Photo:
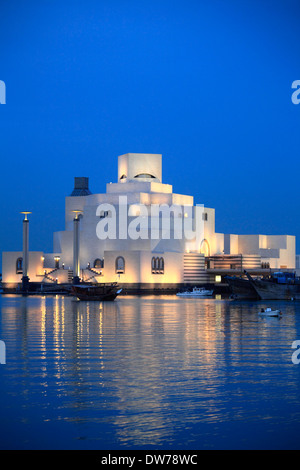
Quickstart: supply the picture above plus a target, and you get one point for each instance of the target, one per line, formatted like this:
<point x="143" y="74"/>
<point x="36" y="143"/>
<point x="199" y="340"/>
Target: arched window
<point x="161" y="265"/>
<point x="204" y="247"/>
<point x="19" y="266"/>
<point x="157" y="265"/>
<point x="153" y="265"/>
<point x="98" y="263"/>
<point x="120" y="265"/>
<point x="144" y="175"/>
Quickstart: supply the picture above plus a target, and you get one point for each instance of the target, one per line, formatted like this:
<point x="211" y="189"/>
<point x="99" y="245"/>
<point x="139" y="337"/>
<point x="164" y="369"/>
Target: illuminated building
<point x="145" y="261"/>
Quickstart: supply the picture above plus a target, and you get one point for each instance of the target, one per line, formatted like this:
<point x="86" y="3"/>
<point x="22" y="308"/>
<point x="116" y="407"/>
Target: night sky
<point x="205" y="83"/>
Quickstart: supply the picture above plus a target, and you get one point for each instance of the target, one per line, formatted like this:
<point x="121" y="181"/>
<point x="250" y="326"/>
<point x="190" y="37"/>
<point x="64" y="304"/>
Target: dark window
<point x="157" y="265"/>
<point x="120" y="265"/>
<point x="144" y="175"/>
<point x="19" y="266"/>
<point x="161" y="265"/>
<point x="98" y="263"/>
<point x="105" y="214"/>
<point x="204" y="216"/>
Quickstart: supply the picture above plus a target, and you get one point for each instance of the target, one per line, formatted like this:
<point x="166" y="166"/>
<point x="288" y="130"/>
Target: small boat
<point x="96" y="292"/>
<point x="269" y="312"/>
<point x="196" y="292"/>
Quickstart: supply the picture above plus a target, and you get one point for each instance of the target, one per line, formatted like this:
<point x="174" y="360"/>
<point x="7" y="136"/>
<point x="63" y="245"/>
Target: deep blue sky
<point x="205" y="83"/>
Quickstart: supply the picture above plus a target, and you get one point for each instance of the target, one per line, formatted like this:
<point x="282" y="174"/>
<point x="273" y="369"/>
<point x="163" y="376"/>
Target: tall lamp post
<point x="76" y="247"/>
<point x="25" y="278"/>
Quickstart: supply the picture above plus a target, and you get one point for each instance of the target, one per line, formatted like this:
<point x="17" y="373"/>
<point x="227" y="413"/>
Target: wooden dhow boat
<point x="99" y="291"/>
<point x="279" y="286"/>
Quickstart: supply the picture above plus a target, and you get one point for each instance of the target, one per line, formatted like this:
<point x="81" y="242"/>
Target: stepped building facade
<point x="143" y="235"/>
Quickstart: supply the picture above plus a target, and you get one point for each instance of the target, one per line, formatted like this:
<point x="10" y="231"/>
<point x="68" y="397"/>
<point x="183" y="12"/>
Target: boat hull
<point x="275" y="313"/>
<point x="242" y="288"/>
<point x="272" y="291"/>
<point x="196" y="292"/>
<point x="101" y="292"/>
<point x="194" y="295"/>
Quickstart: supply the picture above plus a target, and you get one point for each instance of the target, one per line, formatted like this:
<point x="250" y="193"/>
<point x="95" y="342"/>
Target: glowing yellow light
<point x="26" y="214"/>
<point x="77" y="212"/>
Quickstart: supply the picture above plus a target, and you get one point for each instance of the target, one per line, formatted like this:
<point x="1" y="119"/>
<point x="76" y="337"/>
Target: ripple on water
<point x="149" y="372"/>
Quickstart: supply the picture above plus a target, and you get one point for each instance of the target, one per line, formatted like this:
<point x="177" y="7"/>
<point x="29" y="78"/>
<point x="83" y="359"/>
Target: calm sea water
<point x="155" y="373"/>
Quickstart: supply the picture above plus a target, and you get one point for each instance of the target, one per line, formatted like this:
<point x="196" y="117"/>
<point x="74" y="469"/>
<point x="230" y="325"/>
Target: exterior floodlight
<point x="26" y="214"/>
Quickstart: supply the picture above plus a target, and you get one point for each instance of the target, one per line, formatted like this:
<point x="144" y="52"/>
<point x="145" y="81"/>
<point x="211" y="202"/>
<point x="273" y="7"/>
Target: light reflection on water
<point x="148" y="372"/>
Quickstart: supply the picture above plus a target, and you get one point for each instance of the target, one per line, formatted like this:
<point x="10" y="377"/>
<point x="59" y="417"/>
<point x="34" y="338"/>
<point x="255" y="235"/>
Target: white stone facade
<point x="147" y="261"/>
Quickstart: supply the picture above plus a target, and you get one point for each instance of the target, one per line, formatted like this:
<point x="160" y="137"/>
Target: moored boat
<point x="268" y="312"/>
<point x="241" y="288"/>
<point x="279" y="286"/>
<point x="196" y="292"/>
<point x="96" y="291"/>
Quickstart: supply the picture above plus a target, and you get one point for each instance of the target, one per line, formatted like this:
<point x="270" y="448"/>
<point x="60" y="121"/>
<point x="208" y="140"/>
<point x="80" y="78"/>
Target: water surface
<point x="148" y="373"/>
